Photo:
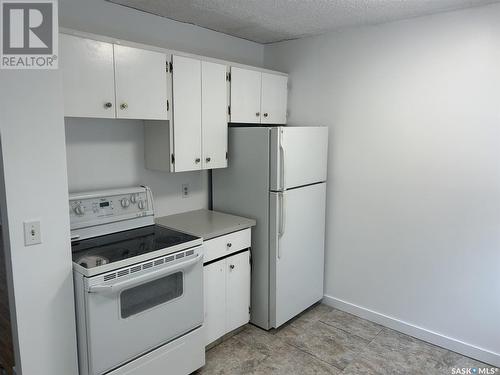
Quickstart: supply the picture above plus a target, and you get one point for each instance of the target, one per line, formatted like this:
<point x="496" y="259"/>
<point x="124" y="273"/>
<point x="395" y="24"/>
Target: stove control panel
<point x="103" y="207"/>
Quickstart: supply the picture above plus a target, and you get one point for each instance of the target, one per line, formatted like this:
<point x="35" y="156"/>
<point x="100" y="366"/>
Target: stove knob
<point x="125" y="202"/>
<point x="79" y="210"/>
<point x="133" y="198"/>
<point x="141" y="204"/>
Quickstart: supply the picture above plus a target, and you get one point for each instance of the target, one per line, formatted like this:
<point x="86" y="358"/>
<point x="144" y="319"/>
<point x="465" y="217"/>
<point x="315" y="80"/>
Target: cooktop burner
<point x="110" y="248"/>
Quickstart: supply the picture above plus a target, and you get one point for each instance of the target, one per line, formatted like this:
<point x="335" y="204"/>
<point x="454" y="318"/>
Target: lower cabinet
<point x="227" y="295"/>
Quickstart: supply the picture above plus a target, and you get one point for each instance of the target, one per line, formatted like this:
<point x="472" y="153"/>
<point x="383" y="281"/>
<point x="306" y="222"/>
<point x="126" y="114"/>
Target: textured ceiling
<point x="267" y="21"/>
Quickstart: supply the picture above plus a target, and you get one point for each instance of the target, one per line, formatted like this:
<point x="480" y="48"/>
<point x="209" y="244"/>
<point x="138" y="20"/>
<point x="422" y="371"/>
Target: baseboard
<point x="435" y="338"/>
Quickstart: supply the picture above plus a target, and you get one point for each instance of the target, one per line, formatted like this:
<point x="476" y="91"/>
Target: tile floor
<point x="328" y="341"/>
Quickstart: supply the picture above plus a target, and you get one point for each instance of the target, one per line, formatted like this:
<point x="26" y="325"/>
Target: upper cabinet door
<point x="186" y="86"/>
<point x="88" y="77"/>
<point x="141" y="84"/>
<point x="274" y="98"/>
<point x="245" y="95"/>
<point x="214" y="102"/>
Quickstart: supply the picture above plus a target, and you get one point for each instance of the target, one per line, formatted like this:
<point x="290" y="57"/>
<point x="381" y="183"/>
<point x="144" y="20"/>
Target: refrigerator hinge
<point x="173" y="158"/>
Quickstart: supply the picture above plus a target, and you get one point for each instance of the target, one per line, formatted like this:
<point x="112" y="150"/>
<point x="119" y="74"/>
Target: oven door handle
<point x="151" y="276"/>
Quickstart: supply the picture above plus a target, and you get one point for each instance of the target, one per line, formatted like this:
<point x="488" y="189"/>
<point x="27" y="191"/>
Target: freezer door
<point x="297" y="242"/>
<point x="298" y="156"/>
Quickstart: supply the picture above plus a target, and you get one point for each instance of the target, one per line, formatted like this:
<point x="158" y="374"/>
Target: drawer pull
<point x="231" y="266"/>
<point x="229" y="244"/>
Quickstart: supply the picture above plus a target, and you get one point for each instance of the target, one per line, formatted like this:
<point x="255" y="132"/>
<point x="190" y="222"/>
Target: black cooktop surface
<point x="97" y="251"/>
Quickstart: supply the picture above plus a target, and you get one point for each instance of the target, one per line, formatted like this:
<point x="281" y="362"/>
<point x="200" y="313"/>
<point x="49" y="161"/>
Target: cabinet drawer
<point x="224" y="245"/>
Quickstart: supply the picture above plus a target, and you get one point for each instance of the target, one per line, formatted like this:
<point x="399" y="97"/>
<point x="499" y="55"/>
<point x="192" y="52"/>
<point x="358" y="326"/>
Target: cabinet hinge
<point x="229" y="110"/>
<point x="171" y="66"/>
<point x="227" y="155"/>
<point x="168" y="105"/>
<point x="228" y="76"/>
<point x="166" y="66"/>
<point x="173" y="158"/>
<point x="249" y="310"/>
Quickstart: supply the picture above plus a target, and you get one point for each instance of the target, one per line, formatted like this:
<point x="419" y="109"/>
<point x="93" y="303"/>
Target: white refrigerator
<point x="277" y="175"/>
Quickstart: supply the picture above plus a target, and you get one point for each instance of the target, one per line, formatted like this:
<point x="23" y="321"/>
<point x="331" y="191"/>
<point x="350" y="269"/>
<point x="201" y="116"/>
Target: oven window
<point x="146" y="296"/>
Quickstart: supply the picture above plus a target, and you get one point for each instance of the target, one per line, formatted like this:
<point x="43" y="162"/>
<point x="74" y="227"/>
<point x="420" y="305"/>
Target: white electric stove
<point x="138" y="287"/>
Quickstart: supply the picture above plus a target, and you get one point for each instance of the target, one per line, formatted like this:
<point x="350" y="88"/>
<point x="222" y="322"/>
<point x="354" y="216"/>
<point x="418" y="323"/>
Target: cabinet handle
<point x="208" y="159"/>
<point x="124" y="106"/>
<point x="265" y="114"/>
<point x="108" y="105"/>
<point x="229" y="244"/>
<point x="257" y="114"/>
<point x="231" y="266"/>
<point x="197" y="160"/>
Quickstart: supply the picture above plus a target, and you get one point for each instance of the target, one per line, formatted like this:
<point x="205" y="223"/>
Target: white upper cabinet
<point x="258" y="98"/>
<point x="141" y="83"/>
<point x="88" y="77"/>
<point x="197" y="136"/>
<point x="186" y="88"/>
<point x="274" y="98"/>
<point x="214" y="107"/>
<point x="113" y="81"/>
<point x="186" y="101"/>
<point x="245" y="95"/>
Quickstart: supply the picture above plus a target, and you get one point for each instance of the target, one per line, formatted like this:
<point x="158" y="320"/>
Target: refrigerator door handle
<point x="282" y="161"/>
<point x="280" y="200"/>
<point x="283" y="213"/>
<point x="281" y="229"/>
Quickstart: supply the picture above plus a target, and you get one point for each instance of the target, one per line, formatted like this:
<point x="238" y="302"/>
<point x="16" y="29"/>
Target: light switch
<point x="32" y="234"/>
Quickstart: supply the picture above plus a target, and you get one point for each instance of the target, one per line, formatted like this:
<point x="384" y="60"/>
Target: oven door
<point x="132" y="315"/>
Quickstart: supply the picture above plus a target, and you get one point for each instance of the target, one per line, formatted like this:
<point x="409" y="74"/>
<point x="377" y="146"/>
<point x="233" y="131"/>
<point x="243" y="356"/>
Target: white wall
<point x="110" y="153"/>
<point x="413" y="215"/>
<point x="102" y="17"/>
<point x="32" y="132"/>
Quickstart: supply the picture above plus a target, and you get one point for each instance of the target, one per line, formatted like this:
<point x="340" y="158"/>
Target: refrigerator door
<point x="297" y="243"/>
<point x="298" y="156"/>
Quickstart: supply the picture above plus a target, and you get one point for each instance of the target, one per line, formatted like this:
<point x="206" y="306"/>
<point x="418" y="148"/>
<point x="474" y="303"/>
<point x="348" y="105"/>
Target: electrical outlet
<point x="32" y="234"/>
<point x="185" y="190"/>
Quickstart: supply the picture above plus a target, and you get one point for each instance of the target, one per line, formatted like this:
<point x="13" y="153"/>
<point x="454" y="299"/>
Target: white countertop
<point x="205" y="223"/>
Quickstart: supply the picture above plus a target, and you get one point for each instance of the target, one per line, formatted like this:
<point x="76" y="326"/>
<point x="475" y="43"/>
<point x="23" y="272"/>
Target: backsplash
<point x="104" y="153"/>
